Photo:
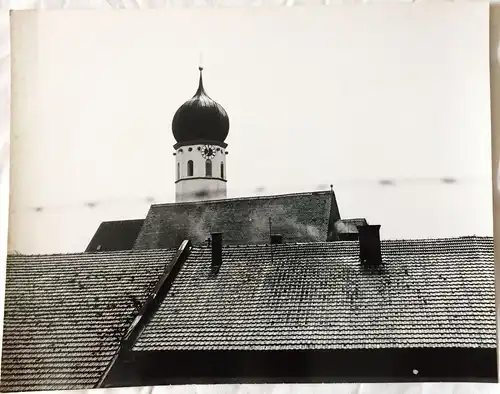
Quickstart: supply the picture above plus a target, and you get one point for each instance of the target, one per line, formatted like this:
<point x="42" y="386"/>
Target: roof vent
<point x="216" y="250"/>
<point x="370" y="252"/>
<point x="276" y="239"/>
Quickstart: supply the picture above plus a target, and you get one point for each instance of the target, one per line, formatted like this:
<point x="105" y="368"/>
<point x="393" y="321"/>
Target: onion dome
<point x="200" y="120"/>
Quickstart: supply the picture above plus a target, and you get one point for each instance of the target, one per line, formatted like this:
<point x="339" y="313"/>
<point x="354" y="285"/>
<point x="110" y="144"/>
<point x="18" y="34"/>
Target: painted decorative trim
<point x="200" y="142"/>
<point x="200" y="177"/>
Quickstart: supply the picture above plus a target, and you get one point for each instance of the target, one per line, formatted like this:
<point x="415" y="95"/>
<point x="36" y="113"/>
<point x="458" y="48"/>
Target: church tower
<point x="200" y="127"/>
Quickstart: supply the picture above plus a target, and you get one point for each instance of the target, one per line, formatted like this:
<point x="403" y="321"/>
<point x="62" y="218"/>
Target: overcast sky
<point x="316" y="96"/>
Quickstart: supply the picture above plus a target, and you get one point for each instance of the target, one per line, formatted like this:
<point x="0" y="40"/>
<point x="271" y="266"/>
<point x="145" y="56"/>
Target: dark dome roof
<point x="200" y="119"/>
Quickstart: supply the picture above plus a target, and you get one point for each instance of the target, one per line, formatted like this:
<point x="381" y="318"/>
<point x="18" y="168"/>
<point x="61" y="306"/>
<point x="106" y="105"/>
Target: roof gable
<point x="430" y="293"/>
<point x="298" y="217"/>
<point x="115" y="235"/>
<point x="65" y="314"/>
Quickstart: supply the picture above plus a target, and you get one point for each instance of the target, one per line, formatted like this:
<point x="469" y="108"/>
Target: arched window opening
<point x="208" y="167"/>
<point x="178" y="170"/>
<point x="222" y="170"/>
<point x="190" y="168"/>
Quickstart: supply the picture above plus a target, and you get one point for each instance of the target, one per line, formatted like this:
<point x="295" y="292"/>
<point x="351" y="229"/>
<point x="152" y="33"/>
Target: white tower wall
<point x="199" y="185"/>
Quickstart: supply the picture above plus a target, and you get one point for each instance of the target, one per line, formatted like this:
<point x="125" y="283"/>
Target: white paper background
<point x="4" y="156"/>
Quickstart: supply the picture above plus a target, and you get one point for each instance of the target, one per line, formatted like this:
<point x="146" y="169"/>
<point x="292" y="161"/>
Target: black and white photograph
<point x="213" y="196"/>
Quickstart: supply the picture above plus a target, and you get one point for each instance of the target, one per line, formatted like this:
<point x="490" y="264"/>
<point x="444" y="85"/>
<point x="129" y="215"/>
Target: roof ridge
<point x="122" y="220"/>
<point x="223" y="200"/>
<point x="11" y="255"/>
<point x="349" y="242"/>
<point x="460" y="237"/>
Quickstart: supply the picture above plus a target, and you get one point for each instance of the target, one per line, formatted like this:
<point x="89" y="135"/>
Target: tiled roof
<point x="298" y="217"/>
<point x="115" y="235"/>
<point x="65" y="315"/>
<point x="429" y="293"/>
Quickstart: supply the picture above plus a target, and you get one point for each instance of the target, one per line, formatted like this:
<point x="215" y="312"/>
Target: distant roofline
<point x="241" y="246"/>
<point x="222" y="200"/>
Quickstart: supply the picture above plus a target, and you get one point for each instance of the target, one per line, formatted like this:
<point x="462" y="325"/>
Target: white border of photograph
<point x="4" y="182"/>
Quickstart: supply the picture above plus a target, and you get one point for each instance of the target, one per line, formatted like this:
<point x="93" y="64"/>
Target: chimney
<point x="369" y="245"/>
<point x="216" y="249"/>
<point x="276" y="239"/>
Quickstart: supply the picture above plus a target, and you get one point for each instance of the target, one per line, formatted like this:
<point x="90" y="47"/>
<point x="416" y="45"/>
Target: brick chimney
<point x="216" y="249"/>
<point x="370" y="252"/>
<point x="276" y="239"/>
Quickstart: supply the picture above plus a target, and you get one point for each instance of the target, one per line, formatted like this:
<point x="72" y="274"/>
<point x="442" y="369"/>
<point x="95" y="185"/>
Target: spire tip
<point x="200" y="90"/>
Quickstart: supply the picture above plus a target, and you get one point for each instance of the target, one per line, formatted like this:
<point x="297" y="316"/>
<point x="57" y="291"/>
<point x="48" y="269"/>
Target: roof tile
<point x="429" y="293"/>
<point x="298" y="217"/>
<point x="116" y="235"/>
<point x="65" y="314"/>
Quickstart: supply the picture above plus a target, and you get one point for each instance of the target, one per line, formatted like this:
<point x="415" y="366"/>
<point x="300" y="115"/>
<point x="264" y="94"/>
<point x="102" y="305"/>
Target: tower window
<point x="222" y="170"/>
<point x="178" y="170"/>
<point x="208" y="167"/>
<point x="190" y="168"/>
